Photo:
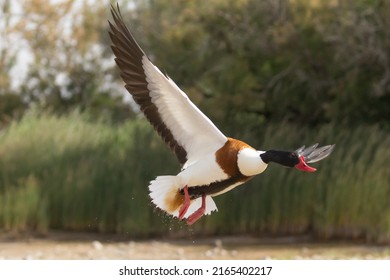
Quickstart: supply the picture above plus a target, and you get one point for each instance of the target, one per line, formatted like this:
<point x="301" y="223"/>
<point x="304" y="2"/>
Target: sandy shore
<point x="92" y="246"/>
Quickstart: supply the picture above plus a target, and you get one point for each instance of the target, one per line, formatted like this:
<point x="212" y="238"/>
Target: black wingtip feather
<point x="129" y="58"/>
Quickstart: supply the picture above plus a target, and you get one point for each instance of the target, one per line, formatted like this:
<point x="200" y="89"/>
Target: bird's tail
<point x="165" y="194"/>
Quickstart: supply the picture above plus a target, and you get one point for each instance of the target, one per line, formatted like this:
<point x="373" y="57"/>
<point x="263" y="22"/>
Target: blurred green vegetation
<point x="75" y="155"/>
<point x="307" y="62"/>
<point x="69" y="173"/>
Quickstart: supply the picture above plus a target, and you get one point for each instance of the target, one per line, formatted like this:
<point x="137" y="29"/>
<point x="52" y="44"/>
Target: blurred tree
<point x="71" y="67"/>
<point x="11" y="104"/>
<point x="6" y="57"/>
<point x="301" y="61"/>
<point x="243" y="62"/>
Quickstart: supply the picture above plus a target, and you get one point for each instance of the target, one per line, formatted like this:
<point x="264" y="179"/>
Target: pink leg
<point x="186" y="204"/>
<point x="198" y="213"/>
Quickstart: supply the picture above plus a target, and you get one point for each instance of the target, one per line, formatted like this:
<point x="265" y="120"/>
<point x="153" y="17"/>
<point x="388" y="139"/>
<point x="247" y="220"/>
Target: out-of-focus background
<point x="77" y="156"/>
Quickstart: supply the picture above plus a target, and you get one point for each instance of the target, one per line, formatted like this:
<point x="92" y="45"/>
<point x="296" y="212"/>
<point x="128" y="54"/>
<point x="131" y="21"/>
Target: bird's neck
<point x="280" y="157"/>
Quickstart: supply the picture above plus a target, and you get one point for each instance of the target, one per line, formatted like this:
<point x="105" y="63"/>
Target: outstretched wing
<point x="184" y="128"/>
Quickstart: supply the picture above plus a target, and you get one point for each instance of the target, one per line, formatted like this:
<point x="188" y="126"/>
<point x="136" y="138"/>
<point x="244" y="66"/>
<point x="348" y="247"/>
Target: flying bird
<point x="212" y="163"/>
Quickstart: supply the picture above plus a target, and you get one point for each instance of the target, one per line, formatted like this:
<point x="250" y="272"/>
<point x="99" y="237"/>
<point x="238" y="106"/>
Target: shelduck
<point x="212" y="163"/>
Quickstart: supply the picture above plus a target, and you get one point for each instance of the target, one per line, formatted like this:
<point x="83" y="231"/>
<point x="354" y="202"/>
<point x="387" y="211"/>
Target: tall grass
<point x="78" y="175"/>
<point x="68" y="173"/>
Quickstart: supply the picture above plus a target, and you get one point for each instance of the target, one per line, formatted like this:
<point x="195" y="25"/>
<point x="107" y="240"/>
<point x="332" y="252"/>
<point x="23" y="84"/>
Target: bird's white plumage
<point x="202" y="173"/>
<point x="249" y="162"/>
<point x="188" y="125"/>
<point x="163" y="190"/>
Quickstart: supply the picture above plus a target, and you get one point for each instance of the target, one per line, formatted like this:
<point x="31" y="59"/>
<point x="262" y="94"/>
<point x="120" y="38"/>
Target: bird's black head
<point x="285" y="158"/>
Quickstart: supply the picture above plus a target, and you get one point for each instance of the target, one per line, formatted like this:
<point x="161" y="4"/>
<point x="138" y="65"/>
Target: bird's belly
<point x="207" y="177"/>
<point x="229" y="188"/>
<point x="203" y="172"/>
<point x="218" y="187"/>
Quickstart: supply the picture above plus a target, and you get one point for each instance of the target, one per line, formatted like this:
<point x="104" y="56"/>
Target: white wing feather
<point x="188" y="125"/>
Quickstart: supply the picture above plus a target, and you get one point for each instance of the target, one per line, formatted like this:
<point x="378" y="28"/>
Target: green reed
<point x="71" y="174"/>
